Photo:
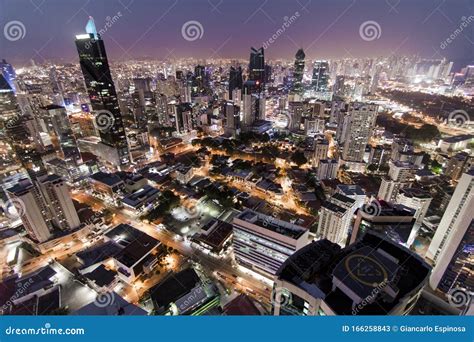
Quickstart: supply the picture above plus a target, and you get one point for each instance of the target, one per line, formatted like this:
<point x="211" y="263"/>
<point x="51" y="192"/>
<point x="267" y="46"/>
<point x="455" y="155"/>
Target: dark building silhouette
<point x="235" y="80"/>
<point x="101" y="89"/>
<point x="257" y="66"/>
<point x="298" y="72"/>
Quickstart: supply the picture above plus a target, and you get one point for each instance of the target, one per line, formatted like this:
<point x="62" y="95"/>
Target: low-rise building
<point x="262" y="243"/>
<point x="184" y="293"/>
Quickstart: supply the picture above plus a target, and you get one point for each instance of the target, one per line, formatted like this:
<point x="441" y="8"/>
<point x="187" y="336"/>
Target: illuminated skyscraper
<point x="257" y="66"/>
<point x="235" y="80"/>
<point x="43" y="206"/>
<point x="62" y="129"/>
<point x="452" y="244"/>
<point x="362" y="121"/>
<point x="101" y="89"/>
<point x="21" y="131"/>
<point x="6" y="69"/>
<point x="320" y="81"/>
<point x="298" y="72"/>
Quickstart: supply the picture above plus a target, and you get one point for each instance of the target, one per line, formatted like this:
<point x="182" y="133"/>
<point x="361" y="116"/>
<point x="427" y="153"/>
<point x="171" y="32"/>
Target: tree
<point x="372" y="168"/>
<point x="436" y="167"/>
<point x="298" y="158"/>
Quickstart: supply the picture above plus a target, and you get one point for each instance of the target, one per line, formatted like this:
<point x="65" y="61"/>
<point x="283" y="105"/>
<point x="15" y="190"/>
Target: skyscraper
<point x="8" y="103"/>
<point x="55" y="194"/>
<point x="232" y="118"/>
<point x="20" y="130"/>
<point x="200" y="81"/>
<point x="43" y="206"/>
<point x="320" y="81"/>
<point x="362" y="121"/>
<point x="339" y="85"/>
<point x="31" y="209"/>
<point x="235" y="80"/>
<point x="335" y="218"/>
<point x="62" y="129"/>
<point x="253" y="104"/>
<point x="298" y="72"/>
<point x="101" y="89"/>
<point x="451" y="246"/>
<point x="7" y="71"/>
<point x="257" y="66"/>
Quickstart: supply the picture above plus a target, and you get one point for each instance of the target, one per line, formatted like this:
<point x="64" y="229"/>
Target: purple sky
<point x="325" y="29"/>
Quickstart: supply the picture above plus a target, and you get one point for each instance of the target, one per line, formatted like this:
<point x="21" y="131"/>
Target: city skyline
<point x="324" y="30"/>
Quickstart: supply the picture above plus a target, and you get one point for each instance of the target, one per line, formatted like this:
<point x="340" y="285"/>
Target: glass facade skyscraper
<point x="101" y="89"/>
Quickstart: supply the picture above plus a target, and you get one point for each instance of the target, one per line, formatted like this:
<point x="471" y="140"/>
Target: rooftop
<point x="101" y="276"/>
<point x="415" y="192"/>
<point x="174" y="287"/>
<point x="341" y="277"/>
<point x="351" y="189"/>
<point x="217" y="232"/>
<point x="141" y="196"/>
<point x="109" y="179"/>
<point x="272" y="224"/>
<point x="458" y="138"/>
<point x="241" y="306"/>
<point x="114" y="306"/>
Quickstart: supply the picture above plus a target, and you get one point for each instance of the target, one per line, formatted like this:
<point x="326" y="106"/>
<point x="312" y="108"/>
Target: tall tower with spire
<point x="102" y="94"/>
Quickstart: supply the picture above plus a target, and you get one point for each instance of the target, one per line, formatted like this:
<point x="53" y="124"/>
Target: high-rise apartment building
<point x="362" y="122"/>
<point x="451" y="246"/>
<point x="335" y="217"/>
<point x="32" y="210"/>
<point x="400" y="175"/>
<point x="320" y="80"/>
<point x="235" y="81"/>
<point x="44" y="206"/>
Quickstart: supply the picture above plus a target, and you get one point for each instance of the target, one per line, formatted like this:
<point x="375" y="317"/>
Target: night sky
<point x="325" y="29"/>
